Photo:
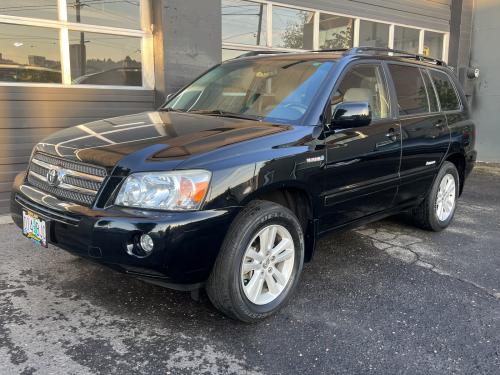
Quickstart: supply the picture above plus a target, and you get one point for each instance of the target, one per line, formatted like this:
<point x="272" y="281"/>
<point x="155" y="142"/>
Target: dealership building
<point x="68" y="62"/>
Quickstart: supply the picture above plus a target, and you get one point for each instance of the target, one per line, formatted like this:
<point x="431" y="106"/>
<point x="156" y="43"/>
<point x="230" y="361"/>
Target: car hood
<point x="152" y="140"/>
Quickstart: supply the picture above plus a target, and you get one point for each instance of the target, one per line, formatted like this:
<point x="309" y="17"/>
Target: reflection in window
<point x="292" y="28"/>
<point x="410" y="89"/>
<point x="373" y="34"/>
<point x="275" y="90"/>
<point x="364" y="83"/>
<point x="335" y="31"/>
<point x="228" y="54"/>
<point x="430" y="91"/>
<point x="115" y="13"/>
<point x="244" y="22"/>
<point x="446" y="92"/>
<point x="433" y="44"/>
<point x="29" y="54"/>
<point x="30" y="8"/>
<point x="406" y="39"/>
<point x="102" y="59"/>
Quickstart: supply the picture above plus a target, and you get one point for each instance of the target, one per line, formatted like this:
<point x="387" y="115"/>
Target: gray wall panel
<point x="486" y="100"/>
<point x="28" y="114"/>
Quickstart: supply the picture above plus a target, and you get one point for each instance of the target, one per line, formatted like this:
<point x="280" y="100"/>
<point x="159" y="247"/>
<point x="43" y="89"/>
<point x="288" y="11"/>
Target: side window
<point x="430" y="91"/>
<point x="445" y="90"/>
<point x="364" y="83"/>
<point x="410" y="89"/>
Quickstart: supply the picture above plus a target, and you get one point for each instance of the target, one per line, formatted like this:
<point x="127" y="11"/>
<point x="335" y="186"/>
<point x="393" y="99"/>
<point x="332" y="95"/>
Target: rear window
<point x="410" y="89"/>
<point x="445" y="90"/>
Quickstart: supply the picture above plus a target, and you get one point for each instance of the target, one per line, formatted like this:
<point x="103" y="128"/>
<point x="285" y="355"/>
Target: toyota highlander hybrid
<point x="228" y="186"/>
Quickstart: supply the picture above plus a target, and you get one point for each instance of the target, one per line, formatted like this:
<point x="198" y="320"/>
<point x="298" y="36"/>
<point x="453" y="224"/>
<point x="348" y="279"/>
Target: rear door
<point x="362" y="163"/>
<point x="424" y="130"/>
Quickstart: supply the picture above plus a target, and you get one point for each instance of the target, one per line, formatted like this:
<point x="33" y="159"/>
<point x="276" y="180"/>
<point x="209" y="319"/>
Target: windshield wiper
<point x="221" y="113"/>
<point x="170" y="109"/>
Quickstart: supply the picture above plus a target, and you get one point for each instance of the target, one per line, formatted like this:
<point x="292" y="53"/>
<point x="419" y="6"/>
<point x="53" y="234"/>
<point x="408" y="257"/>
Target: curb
<point x="5" y="219"/>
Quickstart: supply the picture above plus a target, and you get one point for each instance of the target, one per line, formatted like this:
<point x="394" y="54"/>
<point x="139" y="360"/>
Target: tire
<point x="428" y="215"/>
<point x="229" y="290"/>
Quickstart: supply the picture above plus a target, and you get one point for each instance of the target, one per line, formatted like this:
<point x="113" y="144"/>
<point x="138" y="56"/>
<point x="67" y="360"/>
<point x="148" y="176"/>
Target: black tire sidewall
<point x="447" y="168"/>
<point x="275" y="215"/>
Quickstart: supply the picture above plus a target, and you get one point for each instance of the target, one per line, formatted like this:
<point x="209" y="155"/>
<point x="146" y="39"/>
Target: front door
<point x="362" y="163"/>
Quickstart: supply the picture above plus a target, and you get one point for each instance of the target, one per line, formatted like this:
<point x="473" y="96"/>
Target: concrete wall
<point x="486" y="55"/>
<point x="188" y="41"/>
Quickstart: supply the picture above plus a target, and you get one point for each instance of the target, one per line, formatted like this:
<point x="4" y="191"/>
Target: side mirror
<point x="169" y="96"/>
<point x="351" y="115"/>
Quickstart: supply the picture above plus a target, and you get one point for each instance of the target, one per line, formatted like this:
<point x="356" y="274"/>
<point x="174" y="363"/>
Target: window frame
<point x="327" y="115"/>
<point x="63" y="26"/>
<point x="357" y="20"/>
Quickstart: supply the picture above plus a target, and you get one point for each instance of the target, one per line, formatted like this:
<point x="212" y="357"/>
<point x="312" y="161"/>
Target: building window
<point x="30" y="8"/>
<point x="103" y="59"/>
<point x="259" y="25"/>
<point x="292" y="28"/>
<point x="244" y="22"/>
<point x="335" y="31"/>
<point x="29" y="54"/>
<point x="373" y="34"/>
<point x="75" y="42"/>
<point x="406" y="39"/>
<point x="433" y="44"/>
<point x="116" y="13"/>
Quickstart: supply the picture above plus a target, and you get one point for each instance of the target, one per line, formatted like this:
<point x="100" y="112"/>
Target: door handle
<point x="392" y="135"/>
<point x="439" y="123"/>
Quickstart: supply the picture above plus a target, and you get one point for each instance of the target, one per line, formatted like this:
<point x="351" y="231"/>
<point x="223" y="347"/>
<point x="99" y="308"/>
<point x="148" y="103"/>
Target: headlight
<point x="176" y="190"/>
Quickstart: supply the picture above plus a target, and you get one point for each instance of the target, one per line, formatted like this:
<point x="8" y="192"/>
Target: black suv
<point x="230" y="183"/>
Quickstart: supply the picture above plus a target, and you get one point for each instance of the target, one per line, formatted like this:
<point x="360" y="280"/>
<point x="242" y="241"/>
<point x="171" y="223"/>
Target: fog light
<point x="147" y="243"/>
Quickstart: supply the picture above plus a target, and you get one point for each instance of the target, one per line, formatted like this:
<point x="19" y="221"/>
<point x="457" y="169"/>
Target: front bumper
<point x="186" y="243"/>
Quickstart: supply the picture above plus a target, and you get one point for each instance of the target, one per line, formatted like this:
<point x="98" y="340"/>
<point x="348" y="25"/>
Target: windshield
<point x="275" y="90"/>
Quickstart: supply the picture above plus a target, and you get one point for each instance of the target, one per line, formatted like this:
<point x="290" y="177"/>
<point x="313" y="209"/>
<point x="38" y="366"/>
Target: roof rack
<point x="355" y="51"/>
<point x="416" y="56"/>
<point x="257" y="53"/>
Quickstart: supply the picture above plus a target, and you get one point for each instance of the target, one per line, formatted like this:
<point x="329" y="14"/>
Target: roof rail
<point x="416" y="56"/>
<point x="257" y="53"/>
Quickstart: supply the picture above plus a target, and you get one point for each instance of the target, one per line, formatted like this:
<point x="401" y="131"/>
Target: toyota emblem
<point x="53" y="177"/>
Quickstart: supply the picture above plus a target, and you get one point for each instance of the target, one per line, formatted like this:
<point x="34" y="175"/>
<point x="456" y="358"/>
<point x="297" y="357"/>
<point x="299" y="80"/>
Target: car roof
<point x="337" y="54"/>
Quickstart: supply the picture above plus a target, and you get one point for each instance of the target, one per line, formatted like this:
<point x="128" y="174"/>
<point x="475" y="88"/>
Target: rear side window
<point x="445" y="90"/>
<point x="410" y="89"/>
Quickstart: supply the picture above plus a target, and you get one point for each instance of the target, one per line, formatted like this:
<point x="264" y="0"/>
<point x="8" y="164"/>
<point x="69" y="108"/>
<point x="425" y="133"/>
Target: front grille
<point x="74" y="181"/>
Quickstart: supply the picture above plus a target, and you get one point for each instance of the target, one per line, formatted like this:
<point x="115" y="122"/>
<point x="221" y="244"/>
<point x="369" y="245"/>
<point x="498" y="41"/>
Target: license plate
<point x="35" y="228"/>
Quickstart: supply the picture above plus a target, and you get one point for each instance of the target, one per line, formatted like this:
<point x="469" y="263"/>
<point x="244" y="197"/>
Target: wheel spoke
<point x="284" y="243"/>
<point x="279" y="276"/>
<point x="272" y="285"/>
<point x="284" y="255"/>
<point x="255" y="255"/>
<point x="254" y="286"/>
<point x="267" y="238"/>
<point x="249" y="266"/>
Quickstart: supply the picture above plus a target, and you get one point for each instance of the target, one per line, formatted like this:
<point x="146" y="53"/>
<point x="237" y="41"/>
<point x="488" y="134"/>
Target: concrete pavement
<point x="386" y="298"/>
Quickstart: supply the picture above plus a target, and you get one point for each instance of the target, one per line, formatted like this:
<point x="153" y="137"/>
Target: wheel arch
<point x="298" y="200"/>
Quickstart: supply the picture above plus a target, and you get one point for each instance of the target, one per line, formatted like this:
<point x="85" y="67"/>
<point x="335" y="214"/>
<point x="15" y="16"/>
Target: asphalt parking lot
<point x="385" y="299"/>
